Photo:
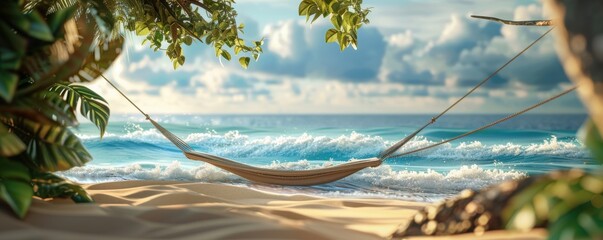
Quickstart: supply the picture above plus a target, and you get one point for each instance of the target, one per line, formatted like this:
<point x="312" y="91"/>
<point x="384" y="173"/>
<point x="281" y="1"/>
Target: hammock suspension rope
<point x="333" y="173"/>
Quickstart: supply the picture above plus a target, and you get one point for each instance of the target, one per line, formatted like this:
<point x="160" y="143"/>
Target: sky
<point x="416" y="56"/>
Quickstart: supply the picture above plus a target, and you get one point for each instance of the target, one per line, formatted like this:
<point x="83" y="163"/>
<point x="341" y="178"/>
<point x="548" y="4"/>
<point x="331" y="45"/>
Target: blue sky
<point x="416" y="56"/>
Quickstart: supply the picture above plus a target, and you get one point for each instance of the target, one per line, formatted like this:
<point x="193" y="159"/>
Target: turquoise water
<point x="533" y="144"/>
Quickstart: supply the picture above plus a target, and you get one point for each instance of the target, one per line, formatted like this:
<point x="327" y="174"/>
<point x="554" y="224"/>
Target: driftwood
<point x="537" y="23"/>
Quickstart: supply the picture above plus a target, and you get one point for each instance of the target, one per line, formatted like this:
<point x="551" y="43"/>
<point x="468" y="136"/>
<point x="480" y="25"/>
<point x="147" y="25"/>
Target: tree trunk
<point x="580" y="47"/>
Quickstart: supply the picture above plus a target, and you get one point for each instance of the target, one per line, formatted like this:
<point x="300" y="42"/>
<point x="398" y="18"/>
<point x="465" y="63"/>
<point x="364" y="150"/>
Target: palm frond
<point x="48" y="185"/>
<point x="90" y="104"/>
<point x="46" y="108"/>
<point x="11" y="144"/>
<point x="53" y="147"/>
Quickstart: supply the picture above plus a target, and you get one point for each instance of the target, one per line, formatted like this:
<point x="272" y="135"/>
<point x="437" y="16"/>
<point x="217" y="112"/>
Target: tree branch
<point x="536" y="23"/>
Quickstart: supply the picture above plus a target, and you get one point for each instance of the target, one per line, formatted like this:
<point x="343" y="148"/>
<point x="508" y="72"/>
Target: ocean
<point x="528" y="145"/>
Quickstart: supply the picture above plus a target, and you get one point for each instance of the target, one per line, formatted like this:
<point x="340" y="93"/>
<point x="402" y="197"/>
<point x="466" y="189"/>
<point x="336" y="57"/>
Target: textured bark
<point x="580" y="48"/>
<point x="533" y="23"/>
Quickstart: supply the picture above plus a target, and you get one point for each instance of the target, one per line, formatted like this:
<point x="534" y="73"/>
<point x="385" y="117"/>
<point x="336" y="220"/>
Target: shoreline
<point x="170" y="209"/>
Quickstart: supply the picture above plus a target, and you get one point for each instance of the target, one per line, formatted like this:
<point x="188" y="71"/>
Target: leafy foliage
<point x="15" y="189"/>
<point x="54" y="148"/>
<point x="31" y="24"/>
<point x="180" y="22"/>
<point x="11" y="144"/>
<point x="91" y="105"/>
<point x="570" y="202"/>
<point x="48" y="185"/>
<point x="592" y="139"/>
<point x="168" y="24"/>
<point x="347" y="16"/>
<point x="42" y="51"/>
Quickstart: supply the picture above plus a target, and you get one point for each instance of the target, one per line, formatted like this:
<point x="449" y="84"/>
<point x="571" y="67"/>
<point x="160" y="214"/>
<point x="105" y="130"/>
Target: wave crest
<point x="377" y="181"/>
<point x="353" y="145"/>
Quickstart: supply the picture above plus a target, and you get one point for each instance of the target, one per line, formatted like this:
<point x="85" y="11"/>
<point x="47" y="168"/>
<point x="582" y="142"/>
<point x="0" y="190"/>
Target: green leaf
<point x="55" y="148"/>
<point x="8" y="85"/>
<point x="334" y="6"/>
<point x="188" y="40"/>
<point x="15" y="188"/>
<point x="589" y="133"/>
<point x="582" y="222"/>
<point x="17" y="195"/>
<point x="31" y="24"/>
<point x="331" y="35"/>
<point x="13" y="170"/>
<point x="9" y="59"/>
<point x="315" y="17"/>
<point x="46" y="108"/>
<point x="566" y="200"/>
<point x="345" y="16"/>
<point x="518" y="209"/>
<point x="10" y="145"/>
<point x="336" y="21"/>
<point x="48" y="185"/>
<point x="141" y="29"/>
<point x="55" y="107"/>
<point x="12" y="41"/>
<point x="303" y="7"/>
<point x="226" y="55"/>
<point x="244" y="61"/>
<point x="91" y="105"/>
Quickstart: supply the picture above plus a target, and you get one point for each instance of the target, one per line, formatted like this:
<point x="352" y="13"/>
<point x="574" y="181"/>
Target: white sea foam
<point x="235" y="144"/>
<point x="431" y="181"/>
<point x="478" y="150"/>
<point x="379" y="181"/>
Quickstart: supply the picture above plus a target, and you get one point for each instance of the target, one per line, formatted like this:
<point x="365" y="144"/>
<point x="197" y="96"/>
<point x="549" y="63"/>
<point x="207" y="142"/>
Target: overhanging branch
<point x="536" y="23"/>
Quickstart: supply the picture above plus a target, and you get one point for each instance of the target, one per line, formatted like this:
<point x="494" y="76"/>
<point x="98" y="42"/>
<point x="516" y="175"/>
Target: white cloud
<point x="402" y="40"/>
<point x="285" y="39"/>
<point x="395" y="70"/>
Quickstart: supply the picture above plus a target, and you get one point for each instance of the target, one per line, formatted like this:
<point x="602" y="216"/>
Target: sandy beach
<point x="177" y="210"/>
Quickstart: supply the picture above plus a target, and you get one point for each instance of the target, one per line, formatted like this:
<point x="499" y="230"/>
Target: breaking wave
<point x="353" y="145"/>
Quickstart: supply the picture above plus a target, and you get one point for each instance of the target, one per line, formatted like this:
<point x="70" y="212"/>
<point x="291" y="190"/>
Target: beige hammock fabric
<point x="271" y="176"/>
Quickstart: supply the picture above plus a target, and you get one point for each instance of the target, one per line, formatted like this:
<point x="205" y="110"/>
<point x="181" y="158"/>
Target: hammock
<point x="271" y="176"/>
<point x="332" y="173"/>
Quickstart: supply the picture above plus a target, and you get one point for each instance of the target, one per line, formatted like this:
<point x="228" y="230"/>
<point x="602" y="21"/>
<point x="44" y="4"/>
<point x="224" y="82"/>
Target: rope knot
<point x="147" y="117"/>
<point x="433" y="120"/>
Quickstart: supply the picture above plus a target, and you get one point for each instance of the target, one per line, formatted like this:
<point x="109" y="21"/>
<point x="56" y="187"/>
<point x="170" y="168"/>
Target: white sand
<point x="156" y="209"/>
